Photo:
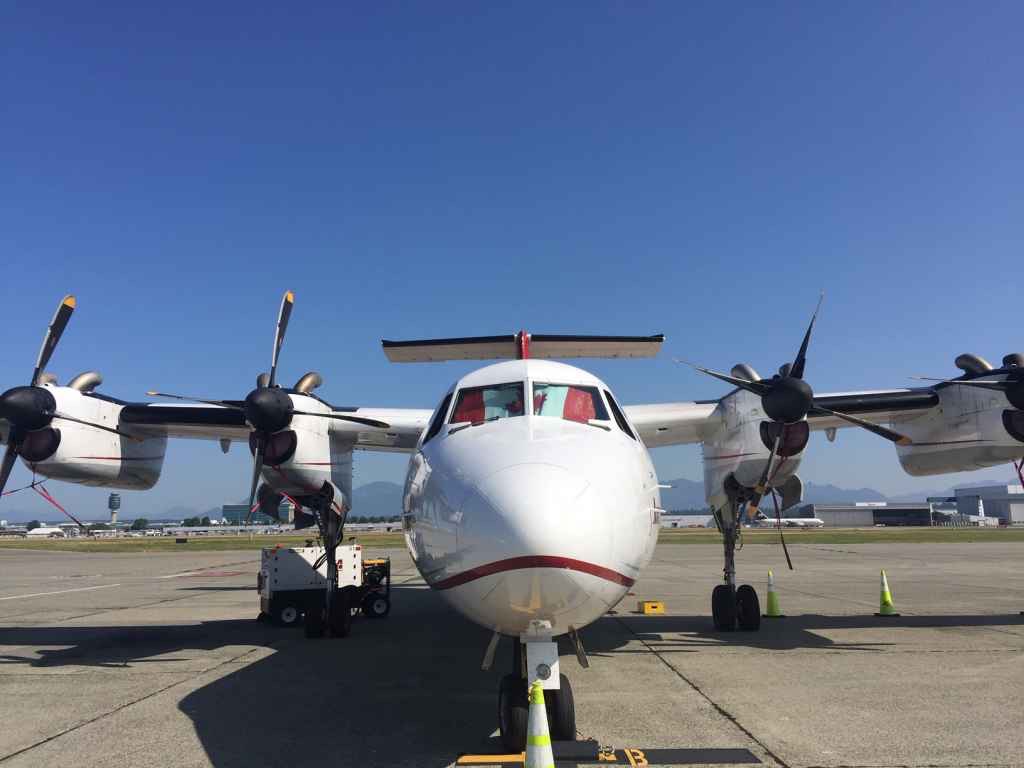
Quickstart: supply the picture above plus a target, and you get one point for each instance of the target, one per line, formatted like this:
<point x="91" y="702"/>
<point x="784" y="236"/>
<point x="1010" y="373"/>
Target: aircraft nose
<point x="535" y="509"/>
<point x="540" y="541"/>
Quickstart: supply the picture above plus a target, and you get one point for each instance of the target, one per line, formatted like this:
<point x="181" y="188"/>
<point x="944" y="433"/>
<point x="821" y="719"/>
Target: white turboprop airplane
<point x="531" y="502"/>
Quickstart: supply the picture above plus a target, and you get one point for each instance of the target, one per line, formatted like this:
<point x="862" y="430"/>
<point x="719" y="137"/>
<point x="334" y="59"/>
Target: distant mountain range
<point x="384" y="499"/>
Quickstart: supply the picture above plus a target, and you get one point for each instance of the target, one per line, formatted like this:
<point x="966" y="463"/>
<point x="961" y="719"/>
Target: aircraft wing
<point x="211" y="422"/>
<point x="662" y="424"/>
<point x="878" y="407"/>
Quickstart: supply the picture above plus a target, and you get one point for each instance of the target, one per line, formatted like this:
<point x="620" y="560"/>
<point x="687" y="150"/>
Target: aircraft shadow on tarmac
<point x="678" y="633"/>
<point x="403" y="691"/>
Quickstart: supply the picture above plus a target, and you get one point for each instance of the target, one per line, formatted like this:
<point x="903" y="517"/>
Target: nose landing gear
<point x="513" y="702"/>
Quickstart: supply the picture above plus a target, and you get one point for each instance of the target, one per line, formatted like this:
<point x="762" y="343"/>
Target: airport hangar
<point x="999" y="504"/>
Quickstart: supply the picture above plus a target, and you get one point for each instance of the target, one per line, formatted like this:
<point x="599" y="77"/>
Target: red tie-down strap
<point x="46" y="495"/>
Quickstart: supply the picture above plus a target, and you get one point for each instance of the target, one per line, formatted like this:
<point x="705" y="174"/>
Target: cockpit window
<point x="497" y="401"/>
<point x="620" y="418"/>
<point x="568" y="401"/>
<point x="435" y="425"/>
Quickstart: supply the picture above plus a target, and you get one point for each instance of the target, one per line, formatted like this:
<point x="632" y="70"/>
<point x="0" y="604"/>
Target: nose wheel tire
<point x="723" y="608"/>
<point x="513" y="713"/>
<point x="561" y="708"/>
<point x="748" y="609"/>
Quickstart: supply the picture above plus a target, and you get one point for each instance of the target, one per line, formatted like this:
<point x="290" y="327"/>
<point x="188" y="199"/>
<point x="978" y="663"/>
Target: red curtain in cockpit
<point x="470" y="407"/>
<point x="579" y="406"/>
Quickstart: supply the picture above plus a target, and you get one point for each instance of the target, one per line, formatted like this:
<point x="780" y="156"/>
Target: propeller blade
<point x="8" y="464"/>
<point x="53" y="334"/>
<point x="346" y="417"/>
<point x="881" y="431"/>
<point x="797" y="369"/>
<point x="221" y="403"/>
<point x="282" y="325"/>
<point x="750" y="386"/>
<point x="98" y="426"/>
<point x="257" y="468"/>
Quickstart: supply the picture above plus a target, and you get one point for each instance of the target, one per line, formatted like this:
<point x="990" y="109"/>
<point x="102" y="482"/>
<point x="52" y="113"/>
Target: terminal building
<point x="235" y="514"/>
<point x="984" y="505"/>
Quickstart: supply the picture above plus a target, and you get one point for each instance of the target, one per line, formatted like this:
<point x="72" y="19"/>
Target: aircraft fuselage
<point x="528" y="504"/>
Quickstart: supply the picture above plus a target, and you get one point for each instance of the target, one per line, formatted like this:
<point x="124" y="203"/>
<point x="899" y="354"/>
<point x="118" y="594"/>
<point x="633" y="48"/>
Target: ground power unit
<point x="288" y="584"/>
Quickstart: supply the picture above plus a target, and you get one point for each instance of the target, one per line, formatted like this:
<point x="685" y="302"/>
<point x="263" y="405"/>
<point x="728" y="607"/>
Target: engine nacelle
<point x="740" y="446"/>
<point x="80" y="454"/>
<point x="300" y="459"/>
<point x="971" y="429"/>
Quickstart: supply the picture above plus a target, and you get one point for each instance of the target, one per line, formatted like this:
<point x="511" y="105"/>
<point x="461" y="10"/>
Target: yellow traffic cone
<point x="885" y="605"/>
<point x="773" y="600"/>
<point x="538" y="740"/>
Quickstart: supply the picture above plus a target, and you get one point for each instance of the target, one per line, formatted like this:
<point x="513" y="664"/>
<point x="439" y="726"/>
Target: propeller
<point x="268" y="409"/>
<point x="33" y="408"/>
<point x="788" y="400"/>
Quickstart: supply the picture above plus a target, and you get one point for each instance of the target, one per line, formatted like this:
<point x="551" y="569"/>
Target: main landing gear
<point x="335" y="617"/>
<point x="731" y="607"/>
<point x="513" y="701"/>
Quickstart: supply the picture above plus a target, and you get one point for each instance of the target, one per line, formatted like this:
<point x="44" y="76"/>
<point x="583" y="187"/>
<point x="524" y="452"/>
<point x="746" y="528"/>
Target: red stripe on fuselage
<point x="533" y="561"/>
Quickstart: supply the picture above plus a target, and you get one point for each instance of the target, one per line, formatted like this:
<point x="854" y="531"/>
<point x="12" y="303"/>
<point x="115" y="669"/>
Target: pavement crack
<point x="718" y="707"/>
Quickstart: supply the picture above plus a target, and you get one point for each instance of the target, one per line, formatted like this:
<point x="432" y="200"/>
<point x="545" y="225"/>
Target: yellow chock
<point x="885" y="605"/>
<point x="773" y="600"/>
<point x="538" y="739"/>
<point x="647" y="607"/>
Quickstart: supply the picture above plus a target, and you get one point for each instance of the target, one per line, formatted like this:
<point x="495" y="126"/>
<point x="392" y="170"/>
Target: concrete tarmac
<point x="156" y="660"/>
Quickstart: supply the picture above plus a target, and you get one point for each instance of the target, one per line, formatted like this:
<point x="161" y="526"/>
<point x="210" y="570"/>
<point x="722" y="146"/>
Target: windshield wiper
<point x="461" y="425"/>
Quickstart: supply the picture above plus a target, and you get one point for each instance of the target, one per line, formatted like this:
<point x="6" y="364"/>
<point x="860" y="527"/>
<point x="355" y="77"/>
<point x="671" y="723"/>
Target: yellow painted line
<point x="491" y="759"/>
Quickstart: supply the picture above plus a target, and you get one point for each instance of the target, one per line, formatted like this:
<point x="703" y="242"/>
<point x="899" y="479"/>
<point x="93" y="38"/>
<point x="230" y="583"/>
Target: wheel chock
<point x="648" y="607"/>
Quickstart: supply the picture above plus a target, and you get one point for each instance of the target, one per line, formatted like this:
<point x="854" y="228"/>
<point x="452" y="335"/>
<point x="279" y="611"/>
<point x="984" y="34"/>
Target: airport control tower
<point x="114" y="504"/>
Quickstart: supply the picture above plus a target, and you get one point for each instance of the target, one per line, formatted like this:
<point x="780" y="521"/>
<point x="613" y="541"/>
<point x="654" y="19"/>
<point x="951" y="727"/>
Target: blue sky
<point x="701" y="170"/>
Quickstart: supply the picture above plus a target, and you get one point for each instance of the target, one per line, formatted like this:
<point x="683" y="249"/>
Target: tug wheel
<point x="287" y="615"/>
<point x="376" y="606"/>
